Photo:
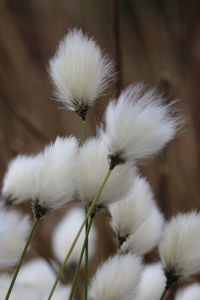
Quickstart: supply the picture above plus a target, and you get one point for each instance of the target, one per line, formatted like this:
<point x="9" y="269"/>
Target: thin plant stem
<point x="34" y="225"/>
<point x="164" y="293"/>
<point x="95" y="199"/>
<point x="86" y="257"/>
<point x="80" y="259"/>
<point x="84" y="131"/>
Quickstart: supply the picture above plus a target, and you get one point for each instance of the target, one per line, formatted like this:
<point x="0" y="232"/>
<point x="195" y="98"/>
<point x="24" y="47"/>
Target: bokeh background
<point x="155" y="41"/>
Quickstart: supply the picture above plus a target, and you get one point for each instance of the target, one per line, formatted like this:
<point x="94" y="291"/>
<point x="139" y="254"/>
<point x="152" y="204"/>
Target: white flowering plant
<point x="103" y="173"/>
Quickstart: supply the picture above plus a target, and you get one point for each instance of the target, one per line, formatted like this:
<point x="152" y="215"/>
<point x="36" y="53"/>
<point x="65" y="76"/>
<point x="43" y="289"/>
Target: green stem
<point x="80" y="260"/>
<point x="34" y="225"/>
<point x="84" y="131"/>
<point x="164" y="293"/>
<point x="87" y="224"/>
<point x="62" y="268"/>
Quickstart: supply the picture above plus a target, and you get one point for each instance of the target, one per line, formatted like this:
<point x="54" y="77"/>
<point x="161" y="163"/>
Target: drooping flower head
<point x="138" y="124"/>
<point x="80" y="71"/>
<point x="116" y="279"/>
<point x="180" y="247"/>
<point x="136" y="220"/>
<point x="92" y="166"/>
<point x="14" y="228"/>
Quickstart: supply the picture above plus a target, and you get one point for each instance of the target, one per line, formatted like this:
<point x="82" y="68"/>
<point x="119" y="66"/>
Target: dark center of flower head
<point x="96" y="209"/>
<point x="38" y="210"/>
<point x="121" y="240"/>
<point x="172" y="276"/>
<point x="115" y="160"/>
<point x="81" y="110"/>
<point x="9" y="200"/>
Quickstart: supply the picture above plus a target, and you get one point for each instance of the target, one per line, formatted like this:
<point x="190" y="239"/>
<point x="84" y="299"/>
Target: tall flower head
<point x="180" y="247"/>
<point x="14" y="228"/>
<point x="116" y="279"/>
<point x="92" y="166"/>
<point x="191" y="292"/>
<point x="55" y="179"/>
<point x="65" y="233"/>
<point x="152" y="283"/>
<point x="136" y="219"/>
<point x="80" y="71"/>
<point x="18" y="182"/>
<point x="138" y="124"/>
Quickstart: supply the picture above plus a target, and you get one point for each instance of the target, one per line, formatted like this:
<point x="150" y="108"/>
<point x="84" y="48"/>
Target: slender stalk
<point x="80" y="260"/>
<point x="84" y="131"/>
<point x="62" y="268"/>
<point x="164" y="293"/>
<point x="34" y="225"/>
<point x="87" y="224"/>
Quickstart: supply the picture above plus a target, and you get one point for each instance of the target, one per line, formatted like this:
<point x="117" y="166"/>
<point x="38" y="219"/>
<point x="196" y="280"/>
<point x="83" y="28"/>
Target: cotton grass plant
<point x="102" y="172"/>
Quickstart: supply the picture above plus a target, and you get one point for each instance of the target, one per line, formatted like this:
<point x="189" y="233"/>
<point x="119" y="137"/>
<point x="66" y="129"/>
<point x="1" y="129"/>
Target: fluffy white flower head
<point x="136" y="219"/>
<point x="19" y="292"/>
<point x="18" y="181"/>
<point x="192" y="292"/>
<point x="55" y="184"/>
<point x="79" y="70"/>
<point x="138" y="124"/>
<point x="116" y="279"/>
<point x="65" y="233"/>
<point x="92" y="166"/>
<point x="152" y="283"/>
<point x="180" y="246"/>
<point x="38" y="274"/>
<point x="14" y="228"/>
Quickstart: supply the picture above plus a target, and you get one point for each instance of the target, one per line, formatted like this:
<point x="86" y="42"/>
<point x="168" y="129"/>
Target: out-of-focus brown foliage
<point x="155" y="41"/>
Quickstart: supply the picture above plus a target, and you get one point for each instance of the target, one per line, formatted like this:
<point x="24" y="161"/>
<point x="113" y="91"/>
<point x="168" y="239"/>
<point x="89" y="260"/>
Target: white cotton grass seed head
<point x="128" y="214"/>
<point x="55" y="184"/>
<point x="14" y="228"/>
<point x="116" y="279"/>
<point x="80" y="71"/>
<point x="146" y="235"/>
<point x="20" y="291"/>
<point x="18" y="182"/>
<point x="180" y="246"/>
<point x="191" y="292"/>
<point x="152" y="283"/>
<point x="65" y="232"/>
<point x="38" y="274"/>
<point x="138" y="124"/>
<point x="92" y="161"/>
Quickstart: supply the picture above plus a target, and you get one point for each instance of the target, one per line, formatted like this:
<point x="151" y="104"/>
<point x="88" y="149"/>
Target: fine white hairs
<point x="191" y="292"/>
<point x="80" y="71"/>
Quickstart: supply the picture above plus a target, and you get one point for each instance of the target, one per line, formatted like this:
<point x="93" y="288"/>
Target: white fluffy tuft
<point x="152" y="283"/>
<point x="191" y="292"/>
<point x="18" y="180"/>
<point x="20" y="291"/>
<point x="65" y="232"/>
<point x="55" y="184"/>
<point x="138" y="124"/>
<point x="137" y="219"/>
<point x="180" y="245"/>
<point x="91" y="168"/>
<point x="14" y="229"/>
<point x="116" y="279"/>
<point x="79" y="70"/>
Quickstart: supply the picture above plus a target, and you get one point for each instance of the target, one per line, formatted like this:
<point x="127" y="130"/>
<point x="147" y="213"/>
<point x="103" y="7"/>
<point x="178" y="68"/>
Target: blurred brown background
<point x="155" y="41"/>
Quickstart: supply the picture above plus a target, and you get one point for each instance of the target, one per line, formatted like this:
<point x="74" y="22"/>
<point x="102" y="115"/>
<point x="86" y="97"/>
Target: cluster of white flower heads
<point x="79" y="70"/>
<point x="136" y="220"/>
<point x="117" y="278"/>
<point x="138" y="124"/>
<point x="65" y="232"/>
<point x="180" y="245"/>
<point x="191" y="292"/>
<point x="91" y="169"/>
<point x="152" y="283"/>
<point x="14" y="228"/>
